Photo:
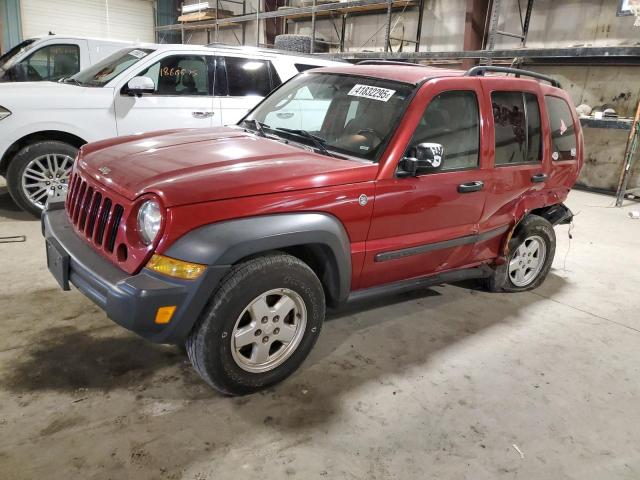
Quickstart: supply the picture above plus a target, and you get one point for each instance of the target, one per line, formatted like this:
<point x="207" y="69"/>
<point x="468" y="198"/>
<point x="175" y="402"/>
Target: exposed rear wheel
<point x="260" y="325"/>
<point x="38" y="171"/>
<point x="531" y="252"/>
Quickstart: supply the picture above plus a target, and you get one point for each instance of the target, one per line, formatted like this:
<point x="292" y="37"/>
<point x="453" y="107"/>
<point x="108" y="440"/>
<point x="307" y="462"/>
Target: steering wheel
<point x="370" y="130"/>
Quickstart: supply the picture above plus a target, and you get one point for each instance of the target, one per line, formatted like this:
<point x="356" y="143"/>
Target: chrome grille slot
<point x="77" y="204"/>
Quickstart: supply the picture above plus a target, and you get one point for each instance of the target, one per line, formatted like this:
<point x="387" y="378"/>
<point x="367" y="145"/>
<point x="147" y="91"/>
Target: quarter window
<point x="180" y="75"/>
<point x="452" y="120"/>
<point x="563" y="134"/>
<point x="247" y="76"/>
<point x="52" y="63"/>
<point x="518" y="135"/>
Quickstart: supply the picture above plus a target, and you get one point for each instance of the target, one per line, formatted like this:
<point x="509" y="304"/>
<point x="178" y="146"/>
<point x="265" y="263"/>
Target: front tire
<point x="38" y="170"/>
<point x="531" y="252"/>
<point x="259" y="326"/>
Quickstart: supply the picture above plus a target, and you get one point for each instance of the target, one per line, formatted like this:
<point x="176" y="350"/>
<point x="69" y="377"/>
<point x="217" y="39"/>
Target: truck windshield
<point x="334" y="113"/>
<point x="6" y="57"/>
<point x="101" y="73"/>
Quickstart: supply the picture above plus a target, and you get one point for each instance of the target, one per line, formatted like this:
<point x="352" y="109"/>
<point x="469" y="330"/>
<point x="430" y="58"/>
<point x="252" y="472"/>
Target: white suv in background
<point x="53" y="57"/>
<point x="136" y="90"/>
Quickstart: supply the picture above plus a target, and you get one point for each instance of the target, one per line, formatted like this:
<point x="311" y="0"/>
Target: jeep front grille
<point x="93" y="213"/>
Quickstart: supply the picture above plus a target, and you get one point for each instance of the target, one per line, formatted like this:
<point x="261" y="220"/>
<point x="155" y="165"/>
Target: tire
<point x="61" y="158"/>
<point x="211" y="346"/>
<point x="533" y="232"/>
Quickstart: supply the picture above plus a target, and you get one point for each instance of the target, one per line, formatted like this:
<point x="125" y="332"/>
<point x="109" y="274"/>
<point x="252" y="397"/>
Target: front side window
<point x="50" y="63"/>
<point x="563" y="133"/>
<point x="247" y="76"/>
<point x="101" y="73"/>
<point x="179" y="75"/>
<point x="452" y="120"/>
<point x="518" y="135"/>
<point x="348" y="115"/>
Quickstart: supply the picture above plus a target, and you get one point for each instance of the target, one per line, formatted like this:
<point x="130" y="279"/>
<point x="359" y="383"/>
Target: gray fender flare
<point x="225" y="243"/>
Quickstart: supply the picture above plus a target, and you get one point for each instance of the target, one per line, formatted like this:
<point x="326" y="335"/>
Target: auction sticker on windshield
<point x="138" y="53"/>
<point x="374" y="93"/>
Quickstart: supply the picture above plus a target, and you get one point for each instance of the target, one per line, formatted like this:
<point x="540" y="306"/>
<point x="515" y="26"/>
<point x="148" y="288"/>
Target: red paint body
<point x="207" y="176"/>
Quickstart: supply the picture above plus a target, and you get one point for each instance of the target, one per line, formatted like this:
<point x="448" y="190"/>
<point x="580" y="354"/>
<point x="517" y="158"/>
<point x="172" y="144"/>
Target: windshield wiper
<point x="71" y="80"/>
<point x="257" y="126"/>
<point x="319" y="142"/>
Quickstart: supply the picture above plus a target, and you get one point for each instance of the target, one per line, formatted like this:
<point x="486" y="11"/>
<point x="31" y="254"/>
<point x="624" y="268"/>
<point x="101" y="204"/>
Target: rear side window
<point x="247" y="76"/>
<point x="518" y="135"/>
<point x="452" y="120"/>
<point x="563" y="134"/>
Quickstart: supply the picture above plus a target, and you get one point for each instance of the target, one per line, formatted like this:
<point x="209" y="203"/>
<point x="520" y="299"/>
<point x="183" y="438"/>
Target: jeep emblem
<point x="105" y="170"/>
<point x="363" y="200"/>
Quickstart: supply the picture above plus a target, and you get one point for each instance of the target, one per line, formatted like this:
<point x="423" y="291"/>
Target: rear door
<point x="517" y="149"/>
<point x="426" y="224"/>
<point x="182" y="97"/>
<point x="241" y="83"/>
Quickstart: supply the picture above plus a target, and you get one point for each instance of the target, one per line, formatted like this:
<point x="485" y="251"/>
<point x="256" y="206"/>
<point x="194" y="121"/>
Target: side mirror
<point x="424" y="157"/>
<point x="139" y="85"/>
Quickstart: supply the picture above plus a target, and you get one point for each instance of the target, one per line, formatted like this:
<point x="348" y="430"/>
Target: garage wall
<point x="115" y="19"/>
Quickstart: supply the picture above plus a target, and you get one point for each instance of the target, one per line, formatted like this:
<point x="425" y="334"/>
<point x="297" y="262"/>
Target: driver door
<point x="182" y="97"/>
<point x="427" y="223"/>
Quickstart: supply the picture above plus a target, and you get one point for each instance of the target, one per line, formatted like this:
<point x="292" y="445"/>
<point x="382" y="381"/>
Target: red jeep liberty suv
<point x="345" y="182"/>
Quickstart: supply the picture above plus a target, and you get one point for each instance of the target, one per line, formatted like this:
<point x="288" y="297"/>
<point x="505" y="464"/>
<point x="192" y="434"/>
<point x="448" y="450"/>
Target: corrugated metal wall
<point x="116" y="19"/>
<point x="10" y="17"/>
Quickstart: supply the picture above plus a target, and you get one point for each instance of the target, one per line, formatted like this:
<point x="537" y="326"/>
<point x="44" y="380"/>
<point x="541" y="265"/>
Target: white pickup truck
<point x="138" y="89"/>
<point x="53" y="57"/>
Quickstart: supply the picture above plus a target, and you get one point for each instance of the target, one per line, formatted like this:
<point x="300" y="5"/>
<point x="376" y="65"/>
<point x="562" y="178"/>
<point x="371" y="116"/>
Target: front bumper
<point x="129" y="300"/>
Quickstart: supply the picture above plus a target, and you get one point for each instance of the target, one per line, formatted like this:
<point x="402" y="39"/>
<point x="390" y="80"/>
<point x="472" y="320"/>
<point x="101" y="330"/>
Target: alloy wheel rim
<point x="269" y="330"/>
<point x="527" y="261"/>
<point x="45" y="176"/>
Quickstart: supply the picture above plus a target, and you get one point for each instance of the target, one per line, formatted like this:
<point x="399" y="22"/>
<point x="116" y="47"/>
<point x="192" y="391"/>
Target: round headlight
<point x="149" y="221"/>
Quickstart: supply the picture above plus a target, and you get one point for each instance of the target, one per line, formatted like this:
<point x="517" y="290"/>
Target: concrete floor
<point x="440" y="383"/>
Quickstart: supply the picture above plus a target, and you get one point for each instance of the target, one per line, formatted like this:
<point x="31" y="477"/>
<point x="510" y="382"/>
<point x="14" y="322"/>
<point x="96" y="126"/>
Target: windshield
<point x="5" y="59"/>
<point x="104" y="71"/>
<point x="344" y="113"/>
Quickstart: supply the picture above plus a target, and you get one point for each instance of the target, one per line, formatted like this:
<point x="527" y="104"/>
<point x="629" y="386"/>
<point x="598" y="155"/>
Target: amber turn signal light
<point x="175" y="268"/>
<point x="164" y="314"/>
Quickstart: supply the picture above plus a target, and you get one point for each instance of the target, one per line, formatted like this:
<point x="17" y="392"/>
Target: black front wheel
<point x="260" y="324"/>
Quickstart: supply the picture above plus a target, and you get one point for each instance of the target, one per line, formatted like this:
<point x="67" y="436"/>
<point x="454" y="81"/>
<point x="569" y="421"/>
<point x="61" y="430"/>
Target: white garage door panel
<point x="115" y="19"/>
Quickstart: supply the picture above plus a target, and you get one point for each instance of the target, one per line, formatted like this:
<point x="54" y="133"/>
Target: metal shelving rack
<point x="343" y="10"/>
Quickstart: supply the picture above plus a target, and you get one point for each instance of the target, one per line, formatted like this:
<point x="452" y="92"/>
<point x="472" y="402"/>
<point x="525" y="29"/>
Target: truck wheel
<point x="259" y="326"/>
<point x="531" y="251"/>
<point x="38" y="170"/>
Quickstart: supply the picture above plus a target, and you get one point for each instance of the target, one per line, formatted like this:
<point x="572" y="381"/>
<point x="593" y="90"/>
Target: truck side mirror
<point x="422" y="158"/>
<point x="139" y="85"/>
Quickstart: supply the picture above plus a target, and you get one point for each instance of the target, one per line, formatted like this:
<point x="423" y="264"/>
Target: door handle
<point x="471" y="187"/>
<point x="202" y="114"/>
<point x="539" y="177"/>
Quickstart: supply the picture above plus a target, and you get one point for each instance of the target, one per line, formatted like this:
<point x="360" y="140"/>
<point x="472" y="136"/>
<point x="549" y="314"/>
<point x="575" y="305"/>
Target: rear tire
<point x="236" y="346"/>
<point x="531" y="251"/>
<point x="36" y="169"/>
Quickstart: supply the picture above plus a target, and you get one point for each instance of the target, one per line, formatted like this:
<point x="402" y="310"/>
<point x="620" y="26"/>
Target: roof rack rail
<point x="387" y="62"/>
<point x="480" y="70"/>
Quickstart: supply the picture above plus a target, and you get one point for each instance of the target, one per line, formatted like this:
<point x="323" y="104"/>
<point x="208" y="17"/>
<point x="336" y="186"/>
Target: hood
<point x="53" y="95"/>
<point x="193" y="166"/>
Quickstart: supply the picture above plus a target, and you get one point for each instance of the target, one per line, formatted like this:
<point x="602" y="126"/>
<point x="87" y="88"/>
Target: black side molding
<point x="428" y="247"/>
